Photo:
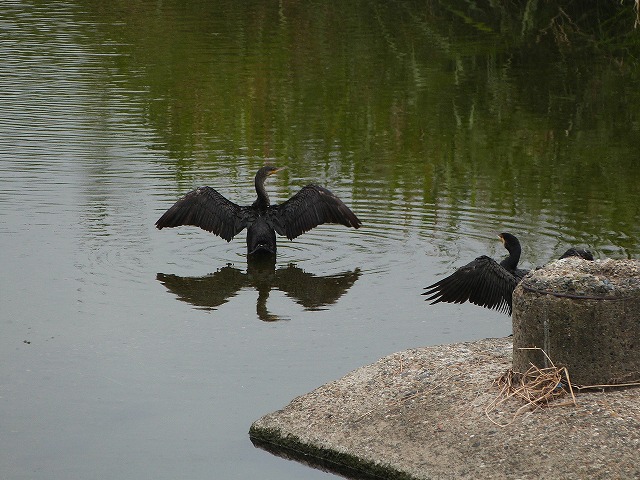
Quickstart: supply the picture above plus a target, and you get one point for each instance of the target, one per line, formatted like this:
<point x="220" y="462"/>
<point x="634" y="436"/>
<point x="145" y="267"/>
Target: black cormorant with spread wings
<point x="313" y="205"/>
<point x="487" y="283"/>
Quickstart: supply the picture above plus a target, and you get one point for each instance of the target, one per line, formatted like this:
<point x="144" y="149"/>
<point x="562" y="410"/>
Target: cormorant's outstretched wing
<point x="482" y="282"/>
<point x="313" y="205"/>
<point x="204" y="207"/>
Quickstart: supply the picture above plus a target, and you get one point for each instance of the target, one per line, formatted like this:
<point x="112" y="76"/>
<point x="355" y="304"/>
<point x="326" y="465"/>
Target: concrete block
<point x="585" y="315"/>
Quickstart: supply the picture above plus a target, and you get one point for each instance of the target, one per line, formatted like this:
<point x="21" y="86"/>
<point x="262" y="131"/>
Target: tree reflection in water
<point x="215" y="289"/>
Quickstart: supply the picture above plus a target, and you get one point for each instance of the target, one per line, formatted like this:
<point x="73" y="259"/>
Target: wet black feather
<point x="206" y="208"/>
<point x="313" y="205"/>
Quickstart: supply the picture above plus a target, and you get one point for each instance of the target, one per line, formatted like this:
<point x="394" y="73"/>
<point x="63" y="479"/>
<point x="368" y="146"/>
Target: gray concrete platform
<point x="431" y="413"/>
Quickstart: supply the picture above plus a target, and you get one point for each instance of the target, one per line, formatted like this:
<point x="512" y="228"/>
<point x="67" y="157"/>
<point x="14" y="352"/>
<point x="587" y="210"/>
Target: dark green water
<point x="129" y="352"/>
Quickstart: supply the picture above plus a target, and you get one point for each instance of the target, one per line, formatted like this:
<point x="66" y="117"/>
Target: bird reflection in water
<point x="213" y="290"/>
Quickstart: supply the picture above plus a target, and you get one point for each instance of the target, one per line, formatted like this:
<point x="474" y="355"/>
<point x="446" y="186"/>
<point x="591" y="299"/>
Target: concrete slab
<point x="432" y="413"/>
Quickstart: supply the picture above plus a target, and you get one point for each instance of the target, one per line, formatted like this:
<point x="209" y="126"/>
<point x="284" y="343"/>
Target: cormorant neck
<point x="263" y="199"/>
<point x="511" y="262"/>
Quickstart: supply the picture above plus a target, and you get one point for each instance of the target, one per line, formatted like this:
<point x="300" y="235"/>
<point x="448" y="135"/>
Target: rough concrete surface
<point x="434" y="412"/>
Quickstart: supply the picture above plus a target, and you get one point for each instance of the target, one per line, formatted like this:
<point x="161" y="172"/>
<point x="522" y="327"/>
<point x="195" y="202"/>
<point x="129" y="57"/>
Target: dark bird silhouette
<point x="487" y="283"/>
<point x="308" y="290"/>
<point x="577" y="252"/>
<point x="313" y="205"/>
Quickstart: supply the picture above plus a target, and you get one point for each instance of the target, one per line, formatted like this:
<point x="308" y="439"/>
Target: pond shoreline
<point x="437" y="412"/>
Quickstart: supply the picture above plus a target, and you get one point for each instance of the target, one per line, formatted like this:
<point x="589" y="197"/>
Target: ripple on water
<point x="392" y="224"/>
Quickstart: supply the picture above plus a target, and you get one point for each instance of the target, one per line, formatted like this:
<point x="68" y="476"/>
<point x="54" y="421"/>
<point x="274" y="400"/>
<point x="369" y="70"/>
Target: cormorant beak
<point x="276" y="170"/>
<point x="501" y="239"/>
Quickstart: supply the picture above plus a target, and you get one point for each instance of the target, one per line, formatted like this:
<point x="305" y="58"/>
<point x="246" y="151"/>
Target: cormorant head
<point x="509" y="241"/>
<point x="267" y="170"/>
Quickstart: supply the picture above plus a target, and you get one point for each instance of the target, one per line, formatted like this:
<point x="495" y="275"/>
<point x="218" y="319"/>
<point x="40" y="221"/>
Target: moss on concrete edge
<point x="291" y="447"/>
